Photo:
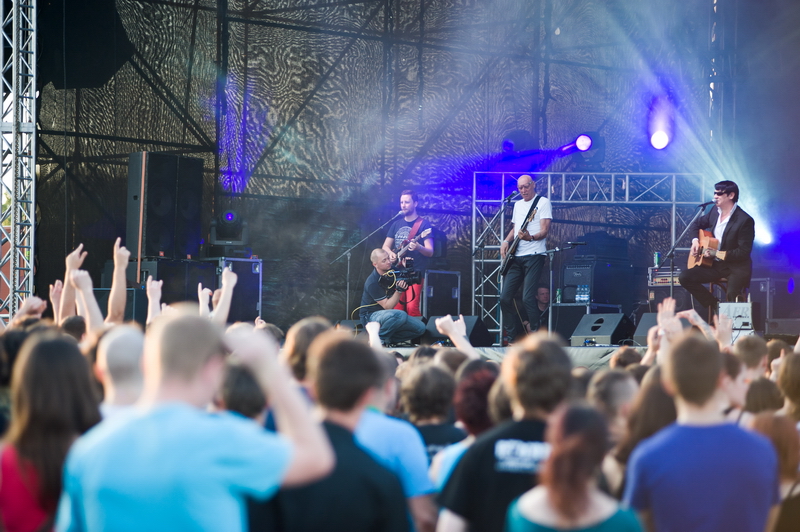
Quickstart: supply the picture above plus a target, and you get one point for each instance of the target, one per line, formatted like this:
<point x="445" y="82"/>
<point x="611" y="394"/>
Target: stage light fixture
<point x="659" y="140"/>
<point x="583" y="142"/>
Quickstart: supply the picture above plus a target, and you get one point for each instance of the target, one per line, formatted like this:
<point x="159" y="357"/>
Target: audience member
<point x="471" y="404"/>
<point x="567" y="497"/>
<point x="450" y="358"/>
<point x="763" y="395"/>
<point x="504" y="462"/>
<point x="652" y="410"/>
<point x="783" y="435"/>
<point x="119" y="368"/>
<point x="752" y="351"/>
<point x="422" y="355"/>
<point x="475" y="365"/>
<point x="638" y="371"/>
<point x="624" y="357"/>
<point x="718" y="476"/>
<point x="612" y="392"/>
<point x="426" y="396"/>
<point x="580" y="382"/>
<point x="775" y="349"/>
<point x="360" y="494"/>
<point x="398" y="446"/>
<point x="75" y="326"/>
<point x="734" y="389"/>
<point x="169" y="464"/>
<point x="52" y="404"/>
<point x="499" y="403"/>
<point x="298" y="339"/>
<point x="240" y="393"/>
<point x="789" y="384"/>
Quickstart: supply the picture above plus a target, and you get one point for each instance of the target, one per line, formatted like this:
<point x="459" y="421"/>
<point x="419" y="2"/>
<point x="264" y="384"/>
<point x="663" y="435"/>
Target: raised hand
<point x="121" y="254"/>
<point x="153" y="288"/>
<point x="451" y="328"/>
<point x="81" y="280"/>
<point x="229" y="278"/>
<point x="33" y="306"/>
<point x="75" y="259"/>
<point x="203" y="298"/>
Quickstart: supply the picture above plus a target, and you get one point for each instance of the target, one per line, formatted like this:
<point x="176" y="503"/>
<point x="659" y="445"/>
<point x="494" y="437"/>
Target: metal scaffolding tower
<point x="18" y="163"/>
<point x="491" y="215"/>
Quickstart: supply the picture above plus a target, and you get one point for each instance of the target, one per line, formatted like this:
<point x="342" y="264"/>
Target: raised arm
<point x="82" y="283"/>
<point x="73" y="261"/>
<point x="56" y="289"/>
<point x="456" y="330"/>
<point x="153" y="298"/>
<point x="118" y="294"/>
<point x="220" y="314"/>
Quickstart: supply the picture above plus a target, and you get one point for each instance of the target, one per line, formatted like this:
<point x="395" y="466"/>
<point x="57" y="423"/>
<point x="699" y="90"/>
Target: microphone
<point x="706" y="204"/>
<point x="510" y="196"/>
<point x="576" y="243"/>
<point x="399" y="213"/>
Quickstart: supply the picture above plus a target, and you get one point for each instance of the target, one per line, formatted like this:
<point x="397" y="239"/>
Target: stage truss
<point x="491" y="215"/>
<point x="18" y="163"/>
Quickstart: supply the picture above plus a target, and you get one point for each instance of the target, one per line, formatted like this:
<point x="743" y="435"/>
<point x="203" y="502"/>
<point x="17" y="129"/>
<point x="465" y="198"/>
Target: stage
<point x="594" y="358"/>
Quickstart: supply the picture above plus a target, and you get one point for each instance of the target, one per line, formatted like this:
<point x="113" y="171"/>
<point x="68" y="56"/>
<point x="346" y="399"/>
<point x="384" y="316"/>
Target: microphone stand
<point x="348" y="254"/>
<point x="671" y="253"/>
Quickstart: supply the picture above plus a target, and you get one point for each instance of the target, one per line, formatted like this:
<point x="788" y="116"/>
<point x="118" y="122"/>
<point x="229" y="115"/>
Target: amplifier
<point x="660" y="277"/>
<point x="442" y="294"/>
<point x="246" y="303"/>
<point x="740" y="313"/>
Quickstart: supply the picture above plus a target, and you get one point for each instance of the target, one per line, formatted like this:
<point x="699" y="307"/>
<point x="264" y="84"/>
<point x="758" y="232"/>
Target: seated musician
<point x="735" y="231"/>
<point x="381" y="293"/>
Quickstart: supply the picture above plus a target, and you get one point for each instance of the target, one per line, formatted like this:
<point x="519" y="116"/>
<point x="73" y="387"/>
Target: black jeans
<point x="693" y="280"/>
<point x="523" y="271"/>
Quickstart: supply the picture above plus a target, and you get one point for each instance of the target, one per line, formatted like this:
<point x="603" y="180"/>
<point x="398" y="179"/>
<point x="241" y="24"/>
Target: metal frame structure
<point x="18" y="163"/>
<point x="681" y="193"/>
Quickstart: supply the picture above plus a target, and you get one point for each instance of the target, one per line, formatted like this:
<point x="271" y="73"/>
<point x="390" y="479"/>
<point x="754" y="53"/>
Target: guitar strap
<point x="414" y="230"/>
<point x="535" y="202"/>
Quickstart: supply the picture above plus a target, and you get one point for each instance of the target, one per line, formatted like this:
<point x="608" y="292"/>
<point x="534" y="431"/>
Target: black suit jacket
<point x="737" y="240"/>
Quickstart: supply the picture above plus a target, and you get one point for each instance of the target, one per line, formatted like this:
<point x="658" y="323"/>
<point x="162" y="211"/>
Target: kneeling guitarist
<point x="521" y="266"/>
<point x="734" y="229"/>
<point x="405" y="237"/>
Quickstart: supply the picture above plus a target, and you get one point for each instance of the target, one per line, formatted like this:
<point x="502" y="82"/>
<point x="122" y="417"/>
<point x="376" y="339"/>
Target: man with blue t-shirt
<point x="702" y="473"/>
<point x="167" y="464"/>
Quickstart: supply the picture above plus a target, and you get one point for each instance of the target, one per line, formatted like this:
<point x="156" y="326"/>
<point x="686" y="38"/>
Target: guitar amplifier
<point x="442" y="293"/>
<point x="740" y="313"/>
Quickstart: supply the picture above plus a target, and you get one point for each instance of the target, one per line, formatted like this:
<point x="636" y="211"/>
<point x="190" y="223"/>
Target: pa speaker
<point x="602" y="329"/>
<point x="164" y="202"/>
<point x="478" y="334"/>
<point x="650" y="319"/>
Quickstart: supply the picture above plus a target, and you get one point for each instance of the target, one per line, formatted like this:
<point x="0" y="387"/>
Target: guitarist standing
<point x="401" y="233"/>
<point x="735" y="231"/>
<point x="524" y="267"/>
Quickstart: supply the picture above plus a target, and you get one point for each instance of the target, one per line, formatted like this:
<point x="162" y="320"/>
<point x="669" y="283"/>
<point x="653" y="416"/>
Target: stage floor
<point x="590" y="357"/>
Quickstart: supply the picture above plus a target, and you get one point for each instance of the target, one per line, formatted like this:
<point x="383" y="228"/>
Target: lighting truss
<point x="18" y="162"/>
<point x="681" y="193"/>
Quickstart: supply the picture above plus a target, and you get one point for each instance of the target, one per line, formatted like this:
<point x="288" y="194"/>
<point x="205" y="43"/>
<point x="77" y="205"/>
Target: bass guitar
<point x="707" y="241"/>
<point x="403" y="250"/>
<point x="506" y="264"/>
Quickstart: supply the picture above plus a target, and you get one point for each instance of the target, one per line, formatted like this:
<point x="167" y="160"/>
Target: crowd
<point x="197" y="424"/>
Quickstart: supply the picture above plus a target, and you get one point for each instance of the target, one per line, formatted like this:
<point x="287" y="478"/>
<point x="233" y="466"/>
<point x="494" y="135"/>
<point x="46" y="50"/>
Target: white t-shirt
<point x="544" y="211"/>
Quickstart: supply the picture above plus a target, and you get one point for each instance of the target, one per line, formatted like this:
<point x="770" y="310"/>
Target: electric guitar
<point x="506" y="264"/>
<point x="707" y="241"/>
<point x="403" y="250"/>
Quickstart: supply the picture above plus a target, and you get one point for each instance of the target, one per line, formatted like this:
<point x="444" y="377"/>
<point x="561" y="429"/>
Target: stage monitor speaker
<point x="135" y="303"/>
<point x="164" y="201"/>
<point x="478" y="334"/>
<point x="602" y="329"/>
<point x="650" y="319"/>
<point x="783" y="327"/>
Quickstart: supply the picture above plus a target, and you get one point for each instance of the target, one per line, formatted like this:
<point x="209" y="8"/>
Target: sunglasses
<point x="720" y="192"/>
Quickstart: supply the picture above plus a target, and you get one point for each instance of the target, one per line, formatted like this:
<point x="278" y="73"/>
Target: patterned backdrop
<point x="312" y="116"/>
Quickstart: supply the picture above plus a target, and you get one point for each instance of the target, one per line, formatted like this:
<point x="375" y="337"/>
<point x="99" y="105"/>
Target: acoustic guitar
<point x="707" y="241"/>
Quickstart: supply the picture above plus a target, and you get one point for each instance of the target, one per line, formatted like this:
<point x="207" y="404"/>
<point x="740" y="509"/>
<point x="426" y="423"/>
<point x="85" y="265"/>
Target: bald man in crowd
<point x="119" y="368"/>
